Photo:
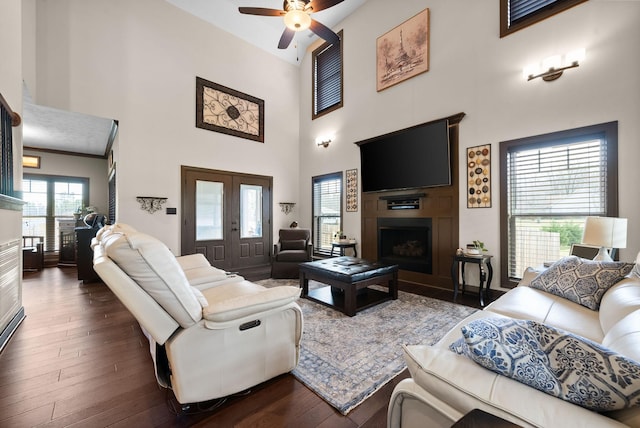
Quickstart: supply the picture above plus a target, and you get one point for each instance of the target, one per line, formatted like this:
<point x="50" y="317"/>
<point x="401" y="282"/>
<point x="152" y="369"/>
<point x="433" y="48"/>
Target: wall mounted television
<point x="414" y="157"/>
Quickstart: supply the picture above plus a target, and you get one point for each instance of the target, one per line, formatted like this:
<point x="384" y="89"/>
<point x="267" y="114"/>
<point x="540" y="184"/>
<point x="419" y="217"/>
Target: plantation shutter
<point x="327" y="209"/>
<point x="328" y="78"/>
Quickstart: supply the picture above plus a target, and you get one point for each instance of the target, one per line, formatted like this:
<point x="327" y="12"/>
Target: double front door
<point x="226" y="217"/>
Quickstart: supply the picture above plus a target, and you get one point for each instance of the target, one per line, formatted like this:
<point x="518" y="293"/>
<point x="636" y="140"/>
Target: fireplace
<point x="406" y="242"/>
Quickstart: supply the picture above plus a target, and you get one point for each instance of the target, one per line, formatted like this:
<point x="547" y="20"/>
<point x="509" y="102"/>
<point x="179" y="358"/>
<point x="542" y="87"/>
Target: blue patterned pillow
<point x="581" y="281"/>
<point x="559" y="363"/>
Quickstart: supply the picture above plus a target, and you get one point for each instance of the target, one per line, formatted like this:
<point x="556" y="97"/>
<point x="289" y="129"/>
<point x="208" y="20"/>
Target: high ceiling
<point x="58" y="130"/>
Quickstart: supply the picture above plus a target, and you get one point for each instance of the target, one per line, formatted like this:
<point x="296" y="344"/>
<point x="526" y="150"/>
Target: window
<point x="327" y="78"/>
<point x="518" y="14"/>
<point x="550" y="183"/>
<point x="327" y="211"/>
<point x="50" y="206"/>
<point x="6" y="153"/>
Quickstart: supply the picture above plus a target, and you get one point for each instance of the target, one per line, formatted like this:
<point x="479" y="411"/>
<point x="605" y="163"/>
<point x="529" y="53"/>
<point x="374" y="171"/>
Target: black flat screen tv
<point x="414" y="157"/>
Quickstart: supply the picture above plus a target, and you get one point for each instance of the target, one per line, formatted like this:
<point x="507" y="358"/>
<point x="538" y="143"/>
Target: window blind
<point x="519" y="9"/>
<point x="328" y="78"/>
<point x="551" y="189"/>
<point x="566" y="179"/>
<point x="327" y="210"/>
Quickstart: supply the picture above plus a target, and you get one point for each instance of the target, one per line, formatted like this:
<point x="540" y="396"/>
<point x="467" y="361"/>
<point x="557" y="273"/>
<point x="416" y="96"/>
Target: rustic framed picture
<point x="352" y="190"/>
<point x="403" y="52"/>
<point x="226" y="110"/>
<point x="479" y="176"/>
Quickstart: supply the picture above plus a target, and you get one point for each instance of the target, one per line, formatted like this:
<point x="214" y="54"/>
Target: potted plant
<point x="477" y="248"/>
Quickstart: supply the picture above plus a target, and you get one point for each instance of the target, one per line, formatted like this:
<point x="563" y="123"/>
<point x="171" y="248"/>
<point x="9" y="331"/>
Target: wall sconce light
<point x="151" y="203"/>
<point x="287" y="207"/>
<point x="553" y="66"/>
<point x="324" y="141"/>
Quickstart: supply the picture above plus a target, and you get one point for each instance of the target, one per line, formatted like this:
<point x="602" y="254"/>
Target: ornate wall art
<point x="479" y="176"/>
<point x="403" y="52"/>
<point x="226" y="110"/>
<point x="352" y="190"/>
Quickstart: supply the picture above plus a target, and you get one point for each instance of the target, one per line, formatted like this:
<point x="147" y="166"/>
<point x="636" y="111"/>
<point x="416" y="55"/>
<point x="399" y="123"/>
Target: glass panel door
<point x="209" y="210"/>
<point x="250" y="211"/>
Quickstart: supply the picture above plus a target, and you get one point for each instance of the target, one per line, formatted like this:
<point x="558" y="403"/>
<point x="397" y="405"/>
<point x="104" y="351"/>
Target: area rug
<point x="347" y="359"/>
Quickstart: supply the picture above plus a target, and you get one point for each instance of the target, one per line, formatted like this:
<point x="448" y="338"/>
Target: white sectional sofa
<point x="444" y="385"/>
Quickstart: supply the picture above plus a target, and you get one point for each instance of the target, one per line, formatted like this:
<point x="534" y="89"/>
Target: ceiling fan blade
<point x="262" y="11"/>
<point x="285" y="39"/>
<point x="319" y="5"/>
<point x="324" y="32"/>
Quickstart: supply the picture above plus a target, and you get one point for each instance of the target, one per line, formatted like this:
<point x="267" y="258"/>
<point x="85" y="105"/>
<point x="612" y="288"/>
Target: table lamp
<point x="605" y="232"/>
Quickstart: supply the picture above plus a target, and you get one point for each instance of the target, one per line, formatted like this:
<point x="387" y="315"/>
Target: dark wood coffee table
<point x="348" y="279"/>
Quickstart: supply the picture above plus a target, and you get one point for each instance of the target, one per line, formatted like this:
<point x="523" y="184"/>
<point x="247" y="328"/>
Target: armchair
<point x="293" y="247"/>
<point x="220" y="338"/>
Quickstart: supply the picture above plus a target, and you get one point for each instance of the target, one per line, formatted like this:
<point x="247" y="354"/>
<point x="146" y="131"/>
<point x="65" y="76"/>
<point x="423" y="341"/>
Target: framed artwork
<point x="226" y="110"/>
<point x="479" y="176"/>
<point x="352" y="190"/>
<point x="403" y="52"/>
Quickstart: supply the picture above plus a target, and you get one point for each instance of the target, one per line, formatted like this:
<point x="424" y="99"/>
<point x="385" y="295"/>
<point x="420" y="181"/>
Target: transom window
<point x="327" y="211"/>
<point x="551" y="183"/>
<point x="518" y="14"/>
<point x="327" y="78"/>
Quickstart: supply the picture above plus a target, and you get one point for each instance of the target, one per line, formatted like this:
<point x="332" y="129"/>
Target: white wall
<point x="137" y="62"/>
<point x="473" y="70"/>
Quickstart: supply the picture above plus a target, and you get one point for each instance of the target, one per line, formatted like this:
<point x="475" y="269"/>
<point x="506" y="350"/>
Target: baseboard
<point x="11" y="327"/>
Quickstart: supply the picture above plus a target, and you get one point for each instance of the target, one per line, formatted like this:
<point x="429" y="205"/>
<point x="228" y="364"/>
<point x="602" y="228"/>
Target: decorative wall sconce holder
<point x="151" y="203"/>
<point x="287" y="207"/>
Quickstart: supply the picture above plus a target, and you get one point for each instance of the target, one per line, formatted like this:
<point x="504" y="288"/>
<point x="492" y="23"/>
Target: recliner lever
<point x="250" y="324"/>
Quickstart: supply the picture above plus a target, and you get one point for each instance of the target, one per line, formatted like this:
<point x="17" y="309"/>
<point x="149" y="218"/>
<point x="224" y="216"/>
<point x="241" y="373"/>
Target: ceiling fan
<point x="297" y="17"/>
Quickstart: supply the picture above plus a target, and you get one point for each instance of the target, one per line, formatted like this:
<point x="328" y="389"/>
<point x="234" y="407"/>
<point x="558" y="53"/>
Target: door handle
<point x="234" y="229"/>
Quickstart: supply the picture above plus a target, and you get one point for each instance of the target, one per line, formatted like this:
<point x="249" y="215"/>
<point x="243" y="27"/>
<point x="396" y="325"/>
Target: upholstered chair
<point x="293" y="247"/>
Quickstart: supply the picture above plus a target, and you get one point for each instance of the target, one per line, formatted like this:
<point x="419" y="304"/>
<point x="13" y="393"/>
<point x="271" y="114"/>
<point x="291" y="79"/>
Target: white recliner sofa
<point x="210" y="334"/>
<point x="444" y="386"/>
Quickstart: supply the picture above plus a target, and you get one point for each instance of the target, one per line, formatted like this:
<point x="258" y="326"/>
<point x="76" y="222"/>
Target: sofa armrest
<point x="192" y="261"/>
<point x="237" y="300"/>
<point x="412" y="407"/>
<point x="464" y="385"/>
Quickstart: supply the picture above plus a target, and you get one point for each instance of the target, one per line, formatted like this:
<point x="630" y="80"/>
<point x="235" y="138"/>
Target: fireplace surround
<point x="440" y="205"/>
<point x="406" y="242"/>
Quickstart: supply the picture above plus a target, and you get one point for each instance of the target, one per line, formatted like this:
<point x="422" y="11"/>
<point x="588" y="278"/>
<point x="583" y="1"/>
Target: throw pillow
<point x="581" y="281"/>
<point x="556" y="362"/>
<point x="293" y="244"/>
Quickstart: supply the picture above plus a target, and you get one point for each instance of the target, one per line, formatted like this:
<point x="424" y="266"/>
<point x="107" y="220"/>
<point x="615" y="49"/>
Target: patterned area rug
<point x="346" y="359"/>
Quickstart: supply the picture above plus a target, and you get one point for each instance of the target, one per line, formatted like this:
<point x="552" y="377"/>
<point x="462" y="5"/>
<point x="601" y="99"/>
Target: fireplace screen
<point x="406" y="242"/>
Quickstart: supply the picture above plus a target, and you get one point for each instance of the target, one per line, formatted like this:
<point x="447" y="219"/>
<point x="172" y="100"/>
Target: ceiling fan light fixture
<point x="297" y="20"/>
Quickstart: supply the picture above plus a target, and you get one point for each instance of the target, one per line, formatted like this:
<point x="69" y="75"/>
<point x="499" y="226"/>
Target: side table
<point x="342" y="246"/>
<point x="459" y="260"/>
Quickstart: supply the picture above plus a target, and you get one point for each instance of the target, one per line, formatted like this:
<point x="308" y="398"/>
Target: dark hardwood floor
<point x="79" y="359"/>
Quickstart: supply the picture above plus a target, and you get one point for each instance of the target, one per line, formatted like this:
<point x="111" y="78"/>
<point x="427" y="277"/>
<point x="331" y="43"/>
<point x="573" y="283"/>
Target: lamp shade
<point x="609" y="232"/>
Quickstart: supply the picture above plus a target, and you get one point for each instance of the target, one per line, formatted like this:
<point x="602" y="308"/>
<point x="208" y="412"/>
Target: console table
<point x="459" y="261"/>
